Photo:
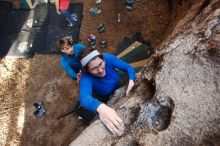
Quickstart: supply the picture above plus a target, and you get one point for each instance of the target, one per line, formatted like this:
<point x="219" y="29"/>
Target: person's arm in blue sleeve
<point x="107" y="115"/>
<point x="86" y="99"/>
<point x="68" y="70"/>
<point x="121" y="65"/>
<point x="79" y="48"/>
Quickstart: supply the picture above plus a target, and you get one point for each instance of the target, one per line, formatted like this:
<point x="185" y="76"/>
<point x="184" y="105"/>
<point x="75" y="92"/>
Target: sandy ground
<point x="23" y="81"/>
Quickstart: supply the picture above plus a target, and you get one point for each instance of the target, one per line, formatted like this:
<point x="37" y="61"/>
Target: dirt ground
<point x="41" y="78"/>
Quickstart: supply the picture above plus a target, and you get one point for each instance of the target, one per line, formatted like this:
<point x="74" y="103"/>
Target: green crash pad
<point x="136" y="55"/>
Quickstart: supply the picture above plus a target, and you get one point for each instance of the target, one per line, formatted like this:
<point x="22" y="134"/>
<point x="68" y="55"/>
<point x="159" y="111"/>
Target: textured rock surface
<point x="190" y="76"/>
<point x="186" y="69"/>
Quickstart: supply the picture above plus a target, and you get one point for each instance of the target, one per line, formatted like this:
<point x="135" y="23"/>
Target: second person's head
<point x="92" y="62"/>
<point x="65" y="46"/>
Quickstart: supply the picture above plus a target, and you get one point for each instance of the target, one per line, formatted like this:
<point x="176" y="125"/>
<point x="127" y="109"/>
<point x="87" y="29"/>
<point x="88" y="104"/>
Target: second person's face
<point x="97" y="67"/>
<point x="68" y="50"/>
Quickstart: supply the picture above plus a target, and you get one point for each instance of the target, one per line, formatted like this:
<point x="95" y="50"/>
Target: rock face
<point x="177" y="96"/>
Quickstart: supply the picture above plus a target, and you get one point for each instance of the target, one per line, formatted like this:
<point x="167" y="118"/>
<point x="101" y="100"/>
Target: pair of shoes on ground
<point x="129" y="4"/>
<point x="103" y="44"/>
<point x="92" y="41"/>
<point x="101" y="28"/>
<point x="94" y="11"/>
<point x="40" y="111"/>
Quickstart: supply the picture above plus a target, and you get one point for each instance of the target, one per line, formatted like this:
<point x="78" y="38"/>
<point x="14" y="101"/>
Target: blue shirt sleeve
<point x="86" y="99"/>
<point x="121" y="65"/>
<point x="78" y="48"/>
<point x="68" y="69"/>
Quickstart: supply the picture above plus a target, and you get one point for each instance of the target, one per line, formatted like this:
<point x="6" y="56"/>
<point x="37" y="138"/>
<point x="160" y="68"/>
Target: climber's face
<point x="97" y="67"/>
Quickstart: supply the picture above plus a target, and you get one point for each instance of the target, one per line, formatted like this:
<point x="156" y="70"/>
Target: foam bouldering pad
<point x="23" y="44"/>
<point x="6" y="41"/>
<point x="37" y="17"/>
<point x="126" y="42"/>
<point x="55" y="19"/>
<point x="139" y="64"/>
<point x="24" y="32"/>
<point x="55" y="33"/>
<point x="38" y="37"/>
<point x="135" y="52"/>
<point x="23" y="20"/>
<point x="16" y="45"/>
<point x="28" y="23"/>
<point x="4" y="9"/>
<point x="136" y="55"/>
<point x="15" y="20"/>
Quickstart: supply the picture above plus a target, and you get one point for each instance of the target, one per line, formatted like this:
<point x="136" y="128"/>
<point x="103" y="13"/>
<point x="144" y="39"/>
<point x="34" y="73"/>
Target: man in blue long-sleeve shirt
<point x="69" y="60"/>
<point x="101" y="77"/>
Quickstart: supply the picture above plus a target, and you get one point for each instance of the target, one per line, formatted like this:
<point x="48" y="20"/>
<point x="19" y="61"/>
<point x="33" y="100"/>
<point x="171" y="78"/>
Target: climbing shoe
<point x="40" y="111"/>
<point x="129" y="8"/>
<point x="92" y="40"/>
<point x="91" y="37"/>
<point x="94" y="11"/>
<point x="101" y="28"/>
<point x="129" y="4"/>
<point x="93" y="44"/>
<point x="103" y="44"/>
